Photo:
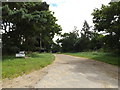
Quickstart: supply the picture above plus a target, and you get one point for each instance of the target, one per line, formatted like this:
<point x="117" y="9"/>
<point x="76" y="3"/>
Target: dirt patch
<point x="25" y="81"/>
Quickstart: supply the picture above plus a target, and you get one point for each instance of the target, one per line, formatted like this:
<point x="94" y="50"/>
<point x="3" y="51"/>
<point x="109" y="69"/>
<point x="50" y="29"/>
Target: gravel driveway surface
<point x="75" y="72"/>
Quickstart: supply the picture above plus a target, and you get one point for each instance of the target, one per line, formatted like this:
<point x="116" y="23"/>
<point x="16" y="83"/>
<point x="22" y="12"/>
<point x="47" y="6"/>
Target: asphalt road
<point x="75" y="72"/>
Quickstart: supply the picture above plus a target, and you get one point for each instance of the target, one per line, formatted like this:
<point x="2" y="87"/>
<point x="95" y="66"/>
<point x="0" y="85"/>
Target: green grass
<point x="0" y="69"/>
<point x="100" y="56"/>
<point x="14" y="67"/>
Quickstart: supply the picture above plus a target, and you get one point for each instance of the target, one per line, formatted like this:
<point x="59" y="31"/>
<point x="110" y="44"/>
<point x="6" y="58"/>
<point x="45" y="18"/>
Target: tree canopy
<point x="107" y="19"/>
<point x="28" y="26"/>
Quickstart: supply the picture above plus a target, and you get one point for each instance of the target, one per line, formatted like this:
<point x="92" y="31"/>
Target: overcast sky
<point x="72" y="13"/>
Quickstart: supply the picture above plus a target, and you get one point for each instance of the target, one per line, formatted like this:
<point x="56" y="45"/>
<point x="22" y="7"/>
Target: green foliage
<point x="96" y="42"/>
<point x="14" y="67"/>
<point x="107" y="19"/>
<point x="27" y="24"/>
<point x="68" y="41"/>
<point x="86" y="40"/>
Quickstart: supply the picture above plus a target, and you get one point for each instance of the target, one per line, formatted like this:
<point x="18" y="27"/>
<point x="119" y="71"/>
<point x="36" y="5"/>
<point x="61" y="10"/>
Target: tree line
<point x="31" y="26"/>
<point x="105" y="36"/>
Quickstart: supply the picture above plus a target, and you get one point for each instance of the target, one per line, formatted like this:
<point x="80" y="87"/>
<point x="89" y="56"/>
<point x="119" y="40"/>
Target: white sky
<point x="72" y="13"/>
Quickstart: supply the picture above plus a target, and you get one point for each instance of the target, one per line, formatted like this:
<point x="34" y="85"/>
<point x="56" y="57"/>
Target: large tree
<point x="107" y="19"/>
<point x="28" y="26"/>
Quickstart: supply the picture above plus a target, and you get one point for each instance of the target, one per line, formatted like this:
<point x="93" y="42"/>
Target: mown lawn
<point x="14" y="67"/>
<point x="100" y="56"/>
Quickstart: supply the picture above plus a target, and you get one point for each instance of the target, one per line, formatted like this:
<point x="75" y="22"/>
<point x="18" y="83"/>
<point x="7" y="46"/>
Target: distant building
<point x="115" y="0"/>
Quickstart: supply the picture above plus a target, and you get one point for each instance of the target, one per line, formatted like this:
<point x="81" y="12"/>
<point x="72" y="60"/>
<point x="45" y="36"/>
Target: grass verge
<point x="99" y="56"/>
<point x="14" y="67"/>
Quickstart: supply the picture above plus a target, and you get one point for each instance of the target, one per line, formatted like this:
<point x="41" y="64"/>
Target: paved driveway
<point x="75" y="72"/>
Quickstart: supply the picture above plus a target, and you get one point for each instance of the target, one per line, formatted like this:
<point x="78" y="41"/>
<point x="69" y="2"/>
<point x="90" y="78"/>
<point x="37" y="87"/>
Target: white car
<point x="20" y="54"/>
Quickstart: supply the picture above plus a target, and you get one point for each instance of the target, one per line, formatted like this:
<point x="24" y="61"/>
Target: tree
<point x="26" y="24"/>
<point x="68" y="41"/>
<point x="97" y="41"/>
<point x="84" y="40"/>
<point x="107" y="19"/>
<point x="85" y="30"/>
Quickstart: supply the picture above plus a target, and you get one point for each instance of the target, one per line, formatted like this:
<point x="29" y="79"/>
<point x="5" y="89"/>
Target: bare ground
<point x="68" y="72"/>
